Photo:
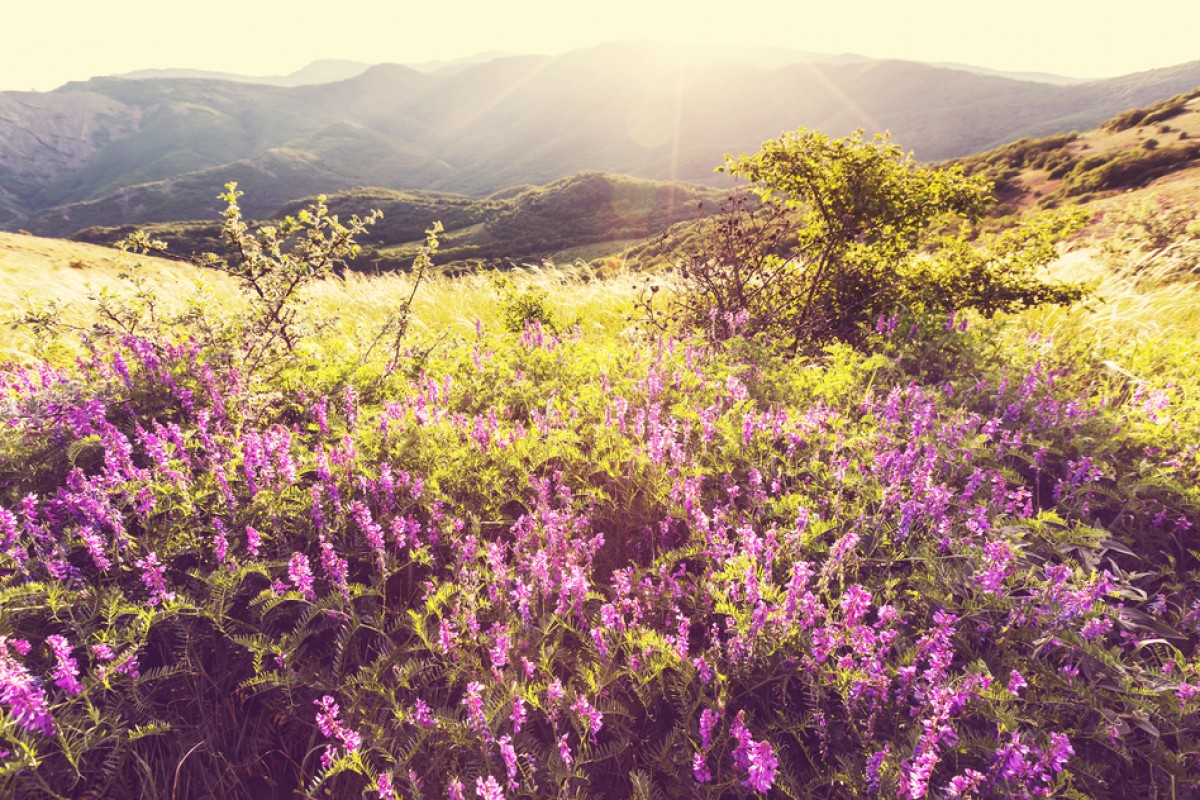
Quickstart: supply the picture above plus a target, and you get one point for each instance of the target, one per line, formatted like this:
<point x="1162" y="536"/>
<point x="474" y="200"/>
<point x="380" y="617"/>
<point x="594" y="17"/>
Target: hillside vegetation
<point x="305" y="534"/>
<point x="520" y="226"/>
<point x="1125" y="152"/>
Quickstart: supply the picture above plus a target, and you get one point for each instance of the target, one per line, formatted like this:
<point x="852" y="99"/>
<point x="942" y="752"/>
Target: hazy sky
<point x="49" y="43"/>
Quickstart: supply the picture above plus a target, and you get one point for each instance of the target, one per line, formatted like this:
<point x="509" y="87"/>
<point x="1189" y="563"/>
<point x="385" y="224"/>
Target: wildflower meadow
<point x="536" y="556"/>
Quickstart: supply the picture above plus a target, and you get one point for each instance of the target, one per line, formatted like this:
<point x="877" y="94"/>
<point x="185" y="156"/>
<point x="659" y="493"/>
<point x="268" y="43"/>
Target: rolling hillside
<point x="115" y="151"/>
<point x="585" y="215"/>
<point x="1152" y="151"/>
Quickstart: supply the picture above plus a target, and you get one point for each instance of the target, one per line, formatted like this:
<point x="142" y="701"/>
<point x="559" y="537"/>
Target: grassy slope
<point x="1086" y="168"/>
<point x="54" y="270"/>
<point x="42" y="271"/>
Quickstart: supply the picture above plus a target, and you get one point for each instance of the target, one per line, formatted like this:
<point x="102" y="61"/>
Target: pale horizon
<point x="271" y="38"/>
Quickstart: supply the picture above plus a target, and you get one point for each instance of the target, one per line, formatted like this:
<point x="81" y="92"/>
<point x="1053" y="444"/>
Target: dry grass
<point x="67" y="272"/>
<point x="1122" y="312"/>
<point x="43" y="271"/>
<point x="455" y="304"/>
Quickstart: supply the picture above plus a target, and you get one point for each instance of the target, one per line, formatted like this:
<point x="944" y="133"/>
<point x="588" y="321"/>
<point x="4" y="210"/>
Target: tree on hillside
<point x="842" y="233"/>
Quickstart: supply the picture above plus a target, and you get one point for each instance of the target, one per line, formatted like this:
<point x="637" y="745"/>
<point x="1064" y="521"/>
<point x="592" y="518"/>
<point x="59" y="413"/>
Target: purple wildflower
<point x="564" y="751"/>
<point x="708" y="722"/>
<point x="335" y="567"/>
<point x="474" y="703"/>
<point x="300" y="573"/>
<point x="510" y="759"/>
<point x="21" y="692"/>
<point x="874" y="764"/>
<point x="253" y="541"/>
<point x="66" y="674"/>
<point x="94" y="542"/>
<point x="153" y="577"/>
<point x="422" y="714"/>
<point x="762" y="765"/>
<point x="332" y="727"/>
<point x="489" y="789"/>
<point x="589" y="717"/>
<point x="518" y="714"/>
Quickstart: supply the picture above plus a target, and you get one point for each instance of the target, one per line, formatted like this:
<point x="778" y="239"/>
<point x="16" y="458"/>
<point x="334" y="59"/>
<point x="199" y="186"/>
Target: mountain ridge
<point x="138" y="150"/>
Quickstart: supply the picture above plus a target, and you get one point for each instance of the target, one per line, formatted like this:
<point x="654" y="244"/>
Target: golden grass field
<point x="38" y="270"/>
<point x="70" y="274"/>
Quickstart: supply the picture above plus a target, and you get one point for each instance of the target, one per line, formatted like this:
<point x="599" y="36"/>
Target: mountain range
<point x="131" y="150"/>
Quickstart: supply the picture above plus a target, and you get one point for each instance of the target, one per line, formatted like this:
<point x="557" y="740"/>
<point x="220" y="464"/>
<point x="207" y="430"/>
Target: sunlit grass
<point x="456" y="304"/>
<point x="1121" y="307"/>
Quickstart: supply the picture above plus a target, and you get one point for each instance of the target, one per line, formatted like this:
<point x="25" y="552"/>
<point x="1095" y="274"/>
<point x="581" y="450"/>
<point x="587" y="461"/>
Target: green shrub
<point x="525" y="305"/>
<point x="843" y="236"/>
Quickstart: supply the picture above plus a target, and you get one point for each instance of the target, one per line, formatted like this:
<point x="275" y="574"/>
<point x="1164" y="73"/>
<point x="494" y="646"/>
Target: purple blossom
<point x="873" y="766"/>
<point x="95" y="544"/>
<point x="422" y="714"/>
<point x="489" y="789"/>
<point x="332" y="727"/>
<point x="708" y="722"/>
<point x="1095" y="628"/>
<point x="220" y="541"/>
<point x="518" y="714"/>
<point x="762" y="763"/>
<point x="554" y="692"/>
<point x="300" y="574"/>
<point x="21" y="693"/>
<point x="153" y="577"/>
<point x="335" y="567"/>
<point x="253" y="541"/>
<point x="700" y="768"/>
<point x="510" y="759"/>
<point x="1059" y="753"/>
<point x="66" y="674"/>
<point x="474" y="703"/>
<point x="589" y="717"/>
<point x="965" y="785"/>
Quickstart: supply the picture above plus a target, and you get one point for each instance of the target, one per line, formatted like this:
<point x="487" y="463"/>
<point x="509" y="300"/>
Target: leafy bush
<point x="1158" y="112"/>
<point x="524" y="306"/>
<point x="841" y="237"/>
<point x="1122" y="169"/>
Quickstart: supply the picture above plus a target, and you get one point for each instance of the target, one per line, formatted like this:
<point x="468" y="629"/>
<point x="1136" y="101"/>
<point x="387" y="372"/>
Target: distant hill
<point x="1036" y="77"/>
<point x="593" y="212"/>
<point x="323" y="71"/>
<point x="1157" y="144"/>
<point x="329" y="70"/>
<point x="113" y="151"/>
